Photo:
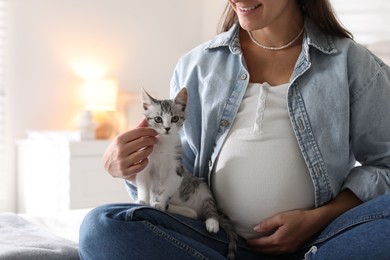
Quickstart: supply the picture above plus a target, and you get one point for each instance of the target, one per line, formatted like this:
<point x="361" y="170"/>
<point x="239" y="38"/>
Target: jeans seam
<point x="358" y="221"/>
<point x="174" y="241"/>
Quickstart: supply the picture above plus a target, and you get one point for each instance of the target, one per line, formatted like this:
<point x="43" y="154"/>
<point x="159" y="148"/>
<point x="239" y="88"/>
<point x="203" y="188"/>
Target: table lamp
<point x="101" y="99"/>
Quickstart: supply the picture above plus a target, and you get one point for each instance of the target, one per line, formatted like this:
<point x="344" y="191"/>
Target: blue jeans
<point x="129" y="231"/>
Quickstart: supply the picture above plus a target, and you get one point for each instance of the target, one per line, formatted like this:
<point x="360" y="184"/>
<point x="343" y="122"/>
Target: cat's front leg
<point x="143" y="196"/>
<point x="143" y="188"/>
<point x="159" y="200"/>
<point x="142" y="200"/>
<point x="166" y="189"/>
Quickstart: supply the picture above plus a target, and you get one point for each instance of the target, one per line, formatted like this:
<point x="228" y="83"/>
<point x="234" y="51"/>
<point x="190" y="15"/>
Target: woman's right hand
<point x="127" y="153"/>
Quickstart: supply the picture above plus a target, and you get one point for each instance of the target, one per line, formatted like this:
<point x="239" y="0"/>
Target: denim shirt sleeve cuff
<point x="131" y="189"/>
<point x="368" y="182"/>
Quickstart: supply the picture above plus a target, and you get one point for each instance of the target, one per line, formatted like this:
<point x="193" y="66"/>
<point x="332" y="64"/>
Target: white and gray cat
<point x="164" y="183"/>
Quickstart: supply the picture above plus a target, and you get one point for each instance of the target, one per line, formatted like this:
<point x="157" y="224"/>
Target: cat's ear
<point x="181" y="98"/>
<point x="147" y="100"/>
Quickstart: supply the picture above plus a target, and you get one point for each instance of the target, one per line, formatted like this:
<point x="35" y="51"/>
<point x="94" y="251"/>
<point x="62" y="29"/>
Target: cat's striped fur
<point x="165" y="184"/>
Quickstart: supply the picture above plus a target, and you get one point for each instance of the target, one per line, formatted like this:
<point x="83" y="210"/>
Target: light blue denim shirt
<point x="338" y="102"/>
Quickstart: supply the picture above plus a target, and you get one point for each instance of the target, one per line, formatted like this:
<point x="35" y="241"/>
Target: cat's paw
<point x="212" y="225"/>
<point x="158" y="205"/>
<point x="143" y="202"/>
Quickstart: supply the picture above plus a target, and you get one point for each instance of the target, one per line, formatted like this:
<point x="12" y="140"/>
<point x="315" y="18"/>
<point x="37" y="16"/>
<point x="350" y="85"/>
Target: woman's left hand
<point x="293" y="229"/>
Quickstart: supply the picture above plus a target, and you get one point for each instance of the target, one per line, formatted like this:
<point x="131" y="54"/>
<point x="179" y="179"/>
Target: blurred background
<point x="53" y="51"/>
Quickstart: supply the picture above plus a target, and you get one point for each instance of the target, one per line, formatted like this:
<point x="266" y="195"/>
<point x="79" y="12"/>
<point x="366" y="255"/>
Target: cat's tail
<point x="231" y="234"/>
<point x="211" y="211"/>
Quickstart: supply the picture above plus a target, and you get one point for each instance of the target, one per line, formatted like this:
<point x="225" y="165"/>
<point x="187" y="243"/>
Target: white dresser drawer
<point x="61" y="175"/>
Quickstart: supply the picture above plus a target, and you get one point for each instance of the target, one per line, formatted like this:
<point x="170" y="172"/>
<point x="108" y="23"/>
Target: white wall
<point x="139" y="42"/>
<point x="212" y="12"/>
<point x="369" y="21"/>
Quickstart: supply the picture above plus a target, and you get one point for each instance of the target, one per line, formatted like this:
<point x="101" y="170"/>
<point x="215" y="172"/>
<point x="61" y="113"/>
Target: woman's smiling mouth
<point x="248" y="9"/>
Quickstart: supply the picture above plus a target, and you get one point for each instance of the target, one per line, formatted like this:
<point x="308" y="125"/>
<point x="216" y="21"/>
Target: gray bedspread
<point x="20" y="239"/>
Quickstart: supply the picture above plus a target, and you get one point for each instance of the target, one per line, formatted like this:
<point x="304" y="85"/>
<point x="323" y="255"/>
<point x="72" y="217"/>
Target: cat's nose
<point x="167" y="129"/>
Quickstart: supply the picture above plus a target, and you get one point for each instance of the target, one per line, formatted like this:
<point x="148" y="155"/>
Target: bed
<point x="55" y="236"/>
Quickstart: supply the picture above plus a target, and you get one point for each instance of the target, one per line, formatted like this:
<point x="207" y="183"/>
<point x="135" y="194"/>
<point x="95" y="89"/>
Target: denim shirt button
<point x="244" y="76"/>
<point x="224" y="123"/>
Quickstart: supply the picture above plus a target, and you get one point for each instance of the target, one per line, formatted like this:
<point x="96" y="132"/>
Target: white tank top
<point x="260" y="170"/>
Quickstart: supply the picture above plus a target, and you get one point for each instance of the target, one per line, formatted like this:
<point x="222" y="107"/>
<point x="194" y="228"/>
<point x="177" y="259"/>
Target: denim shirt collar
<point x="229" y="39"/>
<point x="313" y="37"/>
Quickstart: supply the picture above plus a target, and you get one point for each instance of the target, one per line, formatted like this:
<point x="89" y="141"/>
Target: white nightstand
<point x="58" y="175"/>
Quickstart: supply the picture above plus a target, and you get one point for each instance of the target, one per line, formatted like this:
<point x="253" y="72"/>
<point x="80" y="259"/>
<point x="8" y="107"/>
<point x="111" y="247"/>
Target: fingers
<point x="262" y="242"/>
<point x="130" y="172"/>
<point x="273" y="245"/>
<point x="269" y="240"/>
<point x="143" y="123"/>
<point x="127" y="154"/>
<point x="134" y="134"/>
<point x="269" y="225"/>
<point x="280" y="234"/>
<point x="135" y="162"/>
<point x="135" y="145"/>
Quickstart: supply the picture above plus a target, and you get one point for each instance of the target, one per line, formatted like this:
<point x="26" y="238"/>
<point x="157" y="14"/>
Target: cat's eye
<point x="158" y="120"/>
<point x="174" y="119"/>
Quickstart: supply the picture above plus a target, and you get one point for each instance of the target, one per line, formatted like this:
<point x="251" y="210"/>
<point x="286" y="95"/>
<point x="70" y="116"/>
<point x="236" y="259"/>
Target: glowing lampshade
<point x="100" y="94"/>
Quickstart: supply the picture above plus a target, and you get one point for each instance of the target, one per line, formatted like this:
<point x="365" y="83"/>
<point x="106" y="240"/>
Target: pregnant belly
<point x="249" y="191"/>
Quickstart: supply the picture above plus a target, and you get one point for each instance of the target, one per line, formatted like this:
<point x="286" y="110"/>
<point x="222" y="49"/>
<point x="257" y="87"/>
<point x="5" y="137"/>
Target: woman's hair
<point x="319" y="11"/>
